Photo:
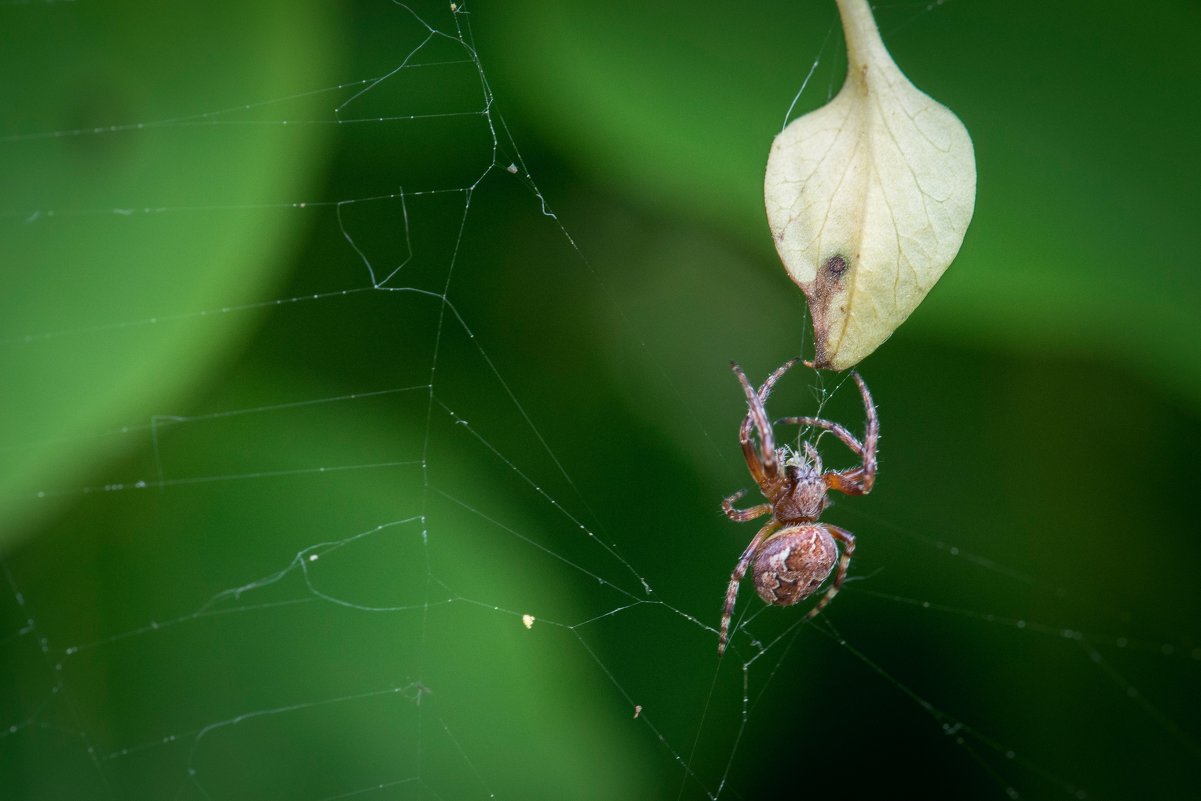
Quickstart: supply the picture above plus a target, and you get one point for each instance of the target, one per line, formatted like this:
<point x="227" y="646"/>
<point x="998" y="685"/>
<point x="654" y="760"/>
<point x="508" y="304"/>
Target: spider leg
<point x="848" y="482"/>
<point x="873" y="424"/>
<point x="844" y="561"/>
<point x="767" y="465"/>
<point x="727" y="612"/>
<point x="758" y="471"/>
<point x="772" y="379"/>
<point x="743" y="515"/>
<point x="766" y="457"/>
<point x="836" y="429"/>
<point x="859" y="480"/>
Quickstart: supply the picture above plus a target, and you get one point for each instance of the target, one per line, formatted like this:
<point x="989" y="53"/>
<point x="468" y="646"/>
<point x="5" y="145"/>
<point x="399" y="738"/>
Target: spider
<point x="793" y="554"/>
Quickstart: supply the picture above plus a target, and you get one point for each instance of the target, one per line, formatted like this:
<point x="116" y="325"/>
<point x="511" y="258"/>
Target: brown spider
<point x="793" y="554"/>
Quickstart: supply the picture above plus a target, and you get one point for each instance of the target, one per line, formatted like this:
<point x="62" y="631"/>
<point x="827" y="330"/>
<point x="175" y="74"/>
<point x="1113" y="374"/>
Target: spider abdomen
<point x="793" y="563"/>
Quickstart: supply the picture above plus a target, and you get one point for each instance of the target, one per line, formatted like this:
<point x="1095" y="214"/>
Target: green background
<point x="1040" y="411"/>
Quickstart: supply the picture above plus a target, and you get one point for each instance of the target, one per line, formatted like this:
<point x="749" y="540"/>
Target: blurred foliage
<point x="1050" y="371"/>
<point x="103" y="132"/>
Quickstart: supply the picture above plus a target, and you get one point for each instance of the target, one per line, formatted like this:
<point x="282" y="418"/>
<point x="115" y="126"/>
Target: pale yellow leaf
<point x="868" y="198"/>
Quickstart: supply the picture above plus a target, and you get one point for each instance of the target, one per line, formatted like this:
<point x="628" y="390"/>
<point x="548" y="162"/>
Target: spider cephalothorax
<point x="793" y="554"/>
<point x="802" y="495"/>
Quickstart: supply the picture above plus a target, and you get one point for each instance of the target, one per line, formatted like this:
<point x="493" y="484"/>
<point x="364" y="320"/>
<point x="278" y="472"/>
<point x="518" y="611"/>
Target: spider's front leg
<point x="743" y="515"/>
<point x="764" y="466"/>
<point x="858" y="480"/>
<point x="837" y="430"/>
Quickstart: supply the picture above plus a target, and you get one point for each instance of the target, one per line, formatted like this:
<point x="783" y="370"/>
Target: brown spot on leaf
<point x="827" y="290"/>
<point x="835" y="266"/>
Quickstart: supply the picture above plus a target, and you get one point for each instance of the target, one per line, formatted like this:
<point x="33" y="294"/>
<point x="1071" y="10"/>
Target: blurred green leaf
<point x="181" y="208"/>
<point x="397" y="648"/>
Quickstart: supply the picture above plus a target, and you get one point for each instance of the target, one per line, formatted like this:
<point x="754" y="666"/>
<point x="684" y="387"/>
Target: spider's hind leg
<point x="727" y="610"/>
<point x="844" y="561"/>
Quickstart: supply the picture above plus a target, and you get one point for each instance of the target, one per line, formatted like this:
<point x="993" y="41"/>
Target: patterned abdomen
<point x="793" y="563"/>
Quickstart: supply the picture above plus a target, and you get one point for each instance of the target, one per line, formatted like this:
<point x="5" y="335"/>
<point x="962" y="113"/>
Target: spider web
<point x="431" y="511"/>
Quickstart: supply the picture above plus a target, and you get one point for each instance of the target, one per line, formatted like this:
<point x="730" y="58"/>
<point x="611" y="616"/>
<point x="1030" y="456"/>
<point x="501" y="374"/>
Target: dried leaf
<point x="868" y="198"/>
